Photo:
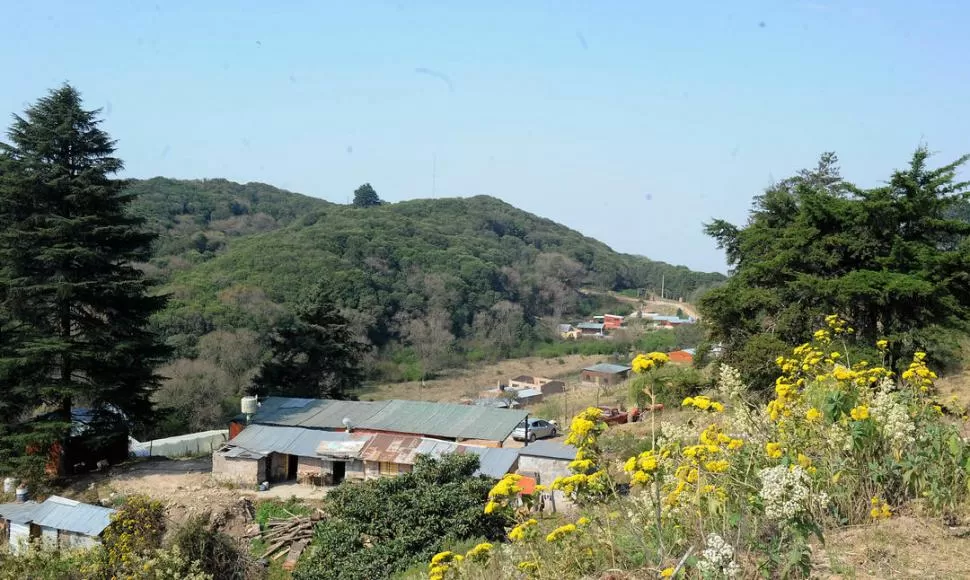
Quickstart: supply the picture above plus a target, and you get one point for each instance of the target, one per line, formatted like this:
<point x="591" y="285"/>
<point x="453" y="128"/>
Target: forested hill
<point x="483" y="271"/>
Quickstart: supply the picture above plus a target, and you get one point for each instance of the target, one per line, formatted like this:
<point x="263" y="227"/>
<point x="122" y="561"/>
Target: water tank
<point x="9" y="484"/>
<point x="22" y="493"/>
<point x="249" y="405"/>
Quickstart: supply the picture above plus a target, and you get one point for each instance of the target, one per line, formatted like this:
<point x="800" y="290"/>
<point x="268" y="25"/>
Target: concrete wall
<point x="548" y="470"/>
<point x="237" y="470"/>
<point x="69" y="540"/>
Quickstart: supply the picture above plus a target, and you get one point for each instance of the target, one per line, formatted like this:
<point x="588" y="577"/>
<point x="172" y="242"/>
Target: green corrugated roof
<point x="412" y="417"/>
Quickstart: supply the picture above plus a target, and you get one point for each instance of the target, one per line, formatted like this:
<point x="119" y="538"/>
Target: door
<point x="339" y="471"/>
<point x="292" y="462"/>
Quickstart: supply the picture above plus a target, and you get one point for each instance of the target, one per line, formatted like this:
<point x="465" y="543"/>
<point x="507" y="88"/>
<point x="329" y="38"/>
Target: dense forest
<point x="430" y="281"/>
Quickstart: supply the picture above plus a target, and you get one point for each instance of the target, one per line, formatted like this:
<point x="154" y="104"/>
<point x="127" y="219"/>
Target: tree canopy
<point x="365" y="196"/>
<point x="315" y="356"/>
<point x="74" y="309"/>
<point x="894" y="260"/>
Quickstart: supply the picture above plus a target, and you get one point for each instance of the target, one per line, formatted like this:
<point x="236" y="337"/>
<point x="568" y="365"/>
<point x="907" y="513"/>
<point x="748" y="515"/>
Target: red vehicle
<point x="613" y="416"/>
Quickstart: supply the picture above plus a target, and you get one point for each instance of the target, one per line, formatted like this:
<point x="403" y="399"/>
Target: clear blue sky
<point x="631" y="122"/>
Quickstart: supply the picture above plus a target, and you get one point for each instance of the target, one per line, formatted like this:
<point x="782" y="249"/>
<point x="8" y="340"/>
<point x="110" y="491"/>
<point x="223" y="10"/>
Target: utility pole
<point x="662" y="280"/>
<point x="434" y="175"/>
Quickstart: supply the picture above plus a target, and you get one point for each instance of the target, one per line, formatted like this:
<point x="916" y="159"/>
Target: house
<point x="612" y="321"/>
<point x="512" y="397"/>
<point x="543" y="462"/>
<point x="278" y="454"/>
<point x="568" y="331"/>
<point x="591" y="328"/>
<point x="390" y="455"/>
<point x="272" y="453"/>
<point x="58" y="521"/>
<point x="324" y="442"/>
<point x="546" y="386"/>
<point x="447" y="421"/>
<point x="670" y="321"/>
<point x="604" y="374"/>
<point x="685" y="356"/>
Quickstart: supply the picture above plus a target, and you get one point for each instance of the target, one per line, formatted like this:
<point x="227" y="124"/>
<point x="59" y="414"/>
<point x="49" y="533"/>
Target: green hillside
<point x="481" y="271"/>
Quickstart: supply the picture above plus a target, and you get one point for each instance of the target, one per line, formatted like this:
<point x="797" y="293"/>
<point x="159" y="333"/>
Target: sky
<point x="632" y="122"/>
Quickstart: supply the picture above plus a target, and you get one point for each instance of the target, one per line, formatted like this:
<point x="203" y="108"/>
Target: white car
<point x="532" y="429"/>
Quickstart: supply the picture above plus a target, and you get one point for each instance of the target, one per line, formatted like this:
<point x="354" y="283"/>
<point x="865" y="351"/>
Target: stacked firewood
<point x="288" y="537"/>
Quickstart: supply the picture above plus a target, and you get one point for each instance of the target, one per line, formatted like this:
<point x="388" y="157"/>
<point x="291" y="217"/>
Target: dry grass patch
<point x="903" y="547"/>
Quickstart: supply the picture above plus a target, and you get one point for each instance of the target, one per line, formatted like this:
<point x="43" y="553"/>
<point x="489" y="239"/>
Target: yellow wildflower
<point x="735" y="444"/>
<point x="667" y="572"/>
<point x="813" y="415"/>
<point x="479" y="552"/>
<point x="561" y="532"/>
<point x="773" y="450"/>
<point x="860" y="413"/>
<point x="717" y="466"/>
<point x="882" y="344"/>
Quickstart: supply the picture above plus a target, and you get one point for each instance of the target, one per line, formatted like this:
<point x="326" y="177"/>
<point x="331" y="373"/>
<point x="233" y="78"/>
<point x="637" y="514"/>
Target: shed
<point x="60" y="521"/>
<point x="605" y="374"/>
<point x="681" y="356"/>
<point x="591" y="328"/>
<point x="545" y="461"/>
<point x="273" y="453"/>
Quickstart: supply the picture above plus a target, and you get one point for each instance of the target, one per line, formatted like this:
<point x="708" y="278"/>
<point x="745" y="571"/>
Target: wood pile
<point x="287" y="537"/>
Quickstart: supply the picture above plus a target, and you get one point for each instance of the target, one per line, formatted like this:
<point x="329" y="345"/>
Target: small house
<point x="544" y="462"/>
<point x="612" y="321"/>
<point x="57" y="521"/>
<point x="568" y="331"/>
<point x="591" y="328"/>
<point x="605" y="374"/>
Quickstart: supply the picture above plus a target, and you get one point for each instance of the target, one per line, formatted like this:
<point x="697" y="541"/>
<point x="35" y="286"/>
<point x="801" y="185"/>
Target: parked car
<point x="534" y="429"/>
<point x="613" y="416"/>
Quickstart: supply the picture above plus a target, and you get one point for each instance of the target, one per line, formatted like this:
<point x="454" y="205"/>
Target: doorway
<point x="292" y="462"/>
<point x="339" y="471"/>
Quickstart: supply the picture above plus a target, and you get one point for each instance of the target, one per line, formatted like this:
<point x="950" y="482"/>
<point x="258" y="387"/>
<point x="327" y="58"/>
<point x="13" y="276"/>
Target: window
<point x="388" y="468"/>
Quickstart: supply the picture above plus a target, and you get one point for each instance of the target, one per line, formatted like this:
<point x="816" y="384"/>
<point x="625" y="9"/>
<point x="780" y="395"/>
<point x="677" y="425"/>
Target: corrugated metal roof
<point x="416" y="417"/>
<point x="528" y="393"/>
<point x="60" y="513"/>
<point x="19" y="513"/>
<point x="608" y="368"/>
<point x="494" y="461"/>
<point x="590" y="326"/>
<point x="549" y="450"/>
<point x="446" y="420"/>
<point x="265" y="439"/>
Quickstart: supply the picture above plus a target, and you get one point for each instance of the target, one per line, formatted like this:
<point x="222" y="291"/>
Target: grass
<point x="272" y="508"/>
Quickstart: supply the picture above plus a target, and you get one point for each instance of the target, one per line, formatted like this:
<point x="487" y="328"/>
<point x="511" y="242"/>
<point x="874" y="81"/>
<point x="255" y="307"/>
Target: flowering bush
<point x="840" y="442"/>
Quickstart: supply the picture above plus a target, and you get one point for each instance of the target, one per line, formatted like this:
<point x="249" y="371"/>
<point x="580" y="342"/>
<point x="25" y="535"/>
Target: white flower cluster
<point x="838" y="438"/>
<point x="718" y="558"/>
<point x="670" y="432"/>
<point x="785" y="491"/>
<point x="892" y="418"/>
<point x="729" y="383"/>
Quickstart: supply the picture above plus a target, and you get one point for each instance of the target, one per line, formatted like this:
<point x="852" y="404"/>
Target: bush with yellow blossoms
<point x="841" y="441"/>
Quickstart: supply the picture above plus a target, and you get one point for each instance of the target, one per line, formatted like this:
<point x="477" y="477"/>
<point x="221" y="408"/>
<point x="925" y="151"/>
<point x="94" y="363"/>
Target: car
<point x="532" y="429"/>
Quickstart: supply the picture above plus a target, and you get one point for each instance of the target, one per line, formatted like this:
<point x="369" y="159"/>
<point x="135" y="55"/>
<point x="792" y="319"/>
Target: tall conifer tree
<point x="74" y="309"/>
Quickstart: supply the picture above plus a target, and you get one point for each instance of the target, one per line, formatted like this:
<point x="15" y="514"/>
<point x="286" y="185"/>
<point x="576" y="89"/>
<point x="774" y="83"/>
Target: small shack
<point x="591" y="328"/>
<point x="605" y="374"/>
<point x="271" y="453"/>
<point x="57" y="521"/>
<point x="544" y="461"/>
<point x="685" y="356"/>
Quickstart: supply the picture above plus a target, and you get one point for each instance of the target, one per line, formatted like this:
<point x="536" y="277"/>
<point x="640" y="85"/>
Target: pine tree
<point x="315" y="356"/>
<point x="76" y="307"/>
